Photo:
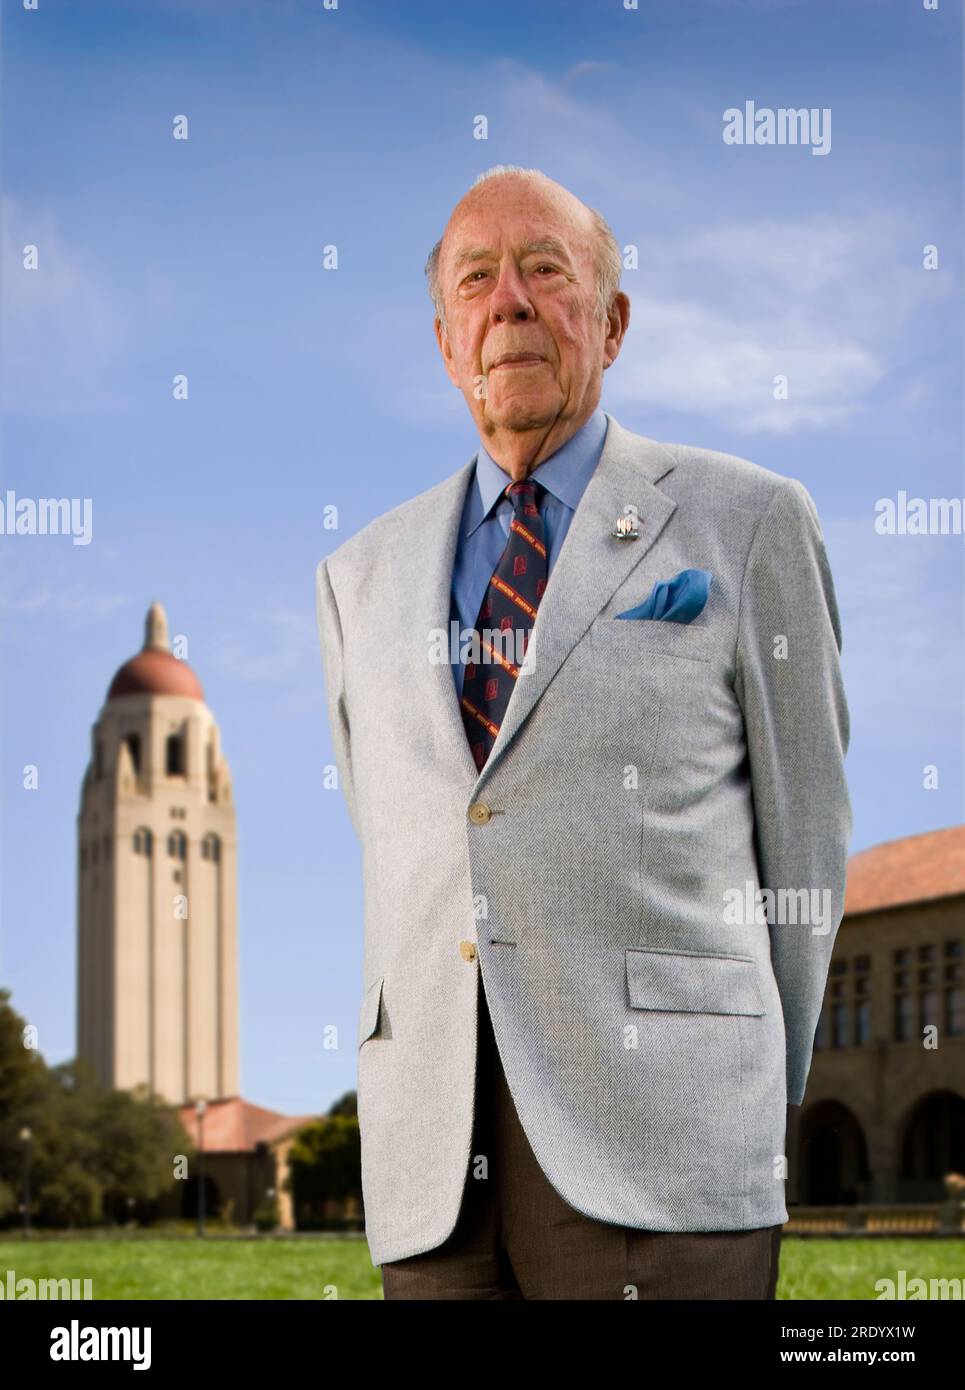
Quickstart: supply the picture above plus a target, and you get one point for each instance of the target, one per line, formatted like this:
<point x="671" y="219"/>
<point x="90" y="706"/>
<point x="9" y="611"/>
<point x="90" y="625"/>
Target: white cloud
<point x="65" y="331"/>
<point x="901" y="639"/>
<point x="689" y="357"/>
<point x="720" y="313"/>
<point x="590" y="67"/>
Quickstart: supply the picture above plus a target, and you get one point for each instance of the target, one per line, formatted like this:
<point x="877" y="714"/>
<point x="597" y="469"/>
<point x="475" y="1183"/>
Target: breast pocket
<point x="639" y="636"/>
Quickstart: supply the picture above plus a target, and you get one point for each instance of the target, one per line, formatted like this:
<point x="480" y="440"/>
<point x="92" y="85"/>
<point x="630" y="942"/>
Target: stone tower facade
<point x="157" y="899"/>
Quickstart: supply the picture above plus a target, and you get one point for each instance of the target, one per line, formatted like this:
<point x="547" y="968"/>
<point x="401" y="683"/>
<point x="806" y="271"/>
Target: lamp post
<point x="25" y="1139"/>
<point x="199" y="1109"/>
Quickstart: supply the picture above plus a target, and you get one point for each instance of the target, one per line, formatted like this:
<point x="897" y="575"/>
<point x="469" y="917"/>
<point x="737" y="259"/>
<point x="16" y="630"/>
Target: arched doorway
<point x="833" y="1156"/>
<point x="931" y="1144"/>
<point x="189" y="1200"/>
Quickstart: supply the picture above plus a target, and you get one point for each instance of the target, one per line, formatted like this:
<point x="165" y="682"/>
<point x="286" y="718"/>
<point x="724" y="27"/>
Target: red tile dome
<point x="155" y="670"/>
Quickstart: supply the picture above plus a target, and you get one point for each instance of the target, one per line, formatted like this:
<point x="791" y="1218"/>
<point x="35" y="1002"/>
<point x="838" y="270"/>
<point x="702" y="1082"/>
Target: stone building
<point x="883" y="1119"/>
<point x="157" y="944"/>
<point x="157" y="988"/>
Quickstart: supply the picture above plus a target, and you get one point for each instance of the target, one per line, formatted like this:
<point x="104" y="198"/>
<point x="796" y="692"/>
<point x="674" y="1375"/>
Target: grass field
<point x="143" y="1267"/>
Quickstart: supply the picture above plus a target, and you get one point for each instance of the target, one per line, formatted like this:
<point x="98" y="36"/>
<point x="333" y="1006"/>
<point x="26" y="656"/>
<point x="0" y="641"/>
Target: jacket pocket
<point x="632" y="636"/>
<point x="691" y="982"/>
<point x="369" y="1013"/>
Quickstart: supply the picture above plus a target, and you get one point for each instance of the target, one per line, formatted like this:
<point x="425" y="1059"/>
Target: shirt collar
<point x="565" y="473"/>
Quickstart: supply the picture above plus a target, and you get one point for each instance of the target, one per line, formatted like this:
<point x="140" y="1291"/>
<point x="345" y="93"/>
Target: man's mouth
<point x="518" y="359"/>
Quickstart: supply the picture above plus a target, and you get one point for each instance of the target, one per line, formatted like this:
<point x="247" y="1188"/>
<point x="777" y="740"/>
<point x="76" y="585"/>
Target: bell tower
<point x="156" y="897"/>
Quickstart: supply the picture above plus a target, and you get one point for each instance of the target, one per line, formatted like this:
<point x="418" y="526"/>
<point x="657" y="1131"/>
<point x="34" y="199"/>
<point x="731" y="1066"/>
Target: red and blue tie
<point x="512" y="598"/>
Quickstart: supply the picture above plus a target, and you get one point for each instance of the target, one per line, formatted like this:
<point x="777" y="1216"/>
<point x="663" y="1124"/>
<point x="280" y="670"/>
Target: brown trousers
<point x="516" y="1237"/>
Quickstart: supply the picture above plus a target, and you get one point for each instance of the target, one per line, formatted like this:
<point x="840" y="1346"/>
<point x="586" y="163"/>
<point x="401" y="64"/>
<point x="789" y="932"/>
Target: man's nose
<point x="510" y="299"/>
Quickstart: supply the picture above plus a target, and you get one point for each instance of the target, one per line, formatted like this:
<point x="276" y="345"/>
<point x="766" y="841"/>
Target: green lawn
<point x="190" y="1268"/>
<point x="145" y="1267"/>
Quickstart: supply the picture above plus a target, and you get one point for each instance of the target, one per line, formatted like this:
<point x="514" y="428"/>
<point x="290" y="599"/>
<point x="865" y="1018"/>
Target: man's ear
<point x="618" y="321"/>
<point x="442" y="339"/>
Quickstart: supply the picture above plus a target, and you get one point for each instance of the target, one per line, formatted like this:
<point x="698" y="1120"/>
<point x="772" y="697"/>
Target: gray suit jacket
<point x="649" y="777"/>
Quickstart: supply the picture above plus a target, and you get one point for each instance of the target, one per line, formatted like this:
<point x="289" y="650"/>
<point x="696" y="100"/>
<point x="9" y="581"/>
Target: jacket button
<point x="479" y="813"/>
<point x="467" y="950"/>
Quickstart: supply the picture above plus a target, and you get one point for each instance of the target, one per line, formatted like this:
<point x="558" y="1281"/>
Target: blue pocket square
<point x="676" y="600"/>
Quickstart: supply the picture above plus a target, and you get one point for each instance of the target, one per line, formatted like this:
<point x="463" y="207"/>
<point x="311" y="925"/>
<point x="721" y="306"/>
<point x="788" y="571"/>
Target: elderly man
<point x="604" y="831"/>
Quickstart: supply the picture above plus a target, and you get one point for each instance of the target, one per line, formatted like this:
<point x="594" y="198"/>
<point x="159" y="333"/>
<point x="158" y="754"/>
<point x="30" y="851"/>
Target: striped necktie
<point x="508" y="608"/>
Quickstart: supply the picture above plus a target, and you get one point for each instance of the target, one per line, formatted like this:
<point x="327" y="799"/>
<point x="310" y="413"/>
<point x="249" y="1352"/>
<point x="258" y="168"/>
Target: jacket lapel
<point x="589" y="569"/>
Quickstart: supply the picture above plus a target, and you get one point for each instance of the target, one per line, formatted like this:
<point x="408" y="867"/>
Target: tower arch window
<point x="133" y="742"/>
<point x="143" y="841"/>
<point x="211" y="848"/>
<point x="175" y="759"/>
<point x="177" y="845"/>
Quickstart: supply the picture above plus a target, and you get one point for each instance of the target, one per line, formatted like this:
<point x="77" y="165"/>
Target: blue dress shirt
<point x="484" y="528"/>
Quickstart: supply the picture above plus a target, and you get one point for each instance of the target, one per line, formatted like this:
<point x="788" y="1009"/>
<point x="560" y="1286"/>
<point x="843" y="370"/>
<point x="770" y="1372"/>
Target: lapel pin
<point x="626" y="529"/>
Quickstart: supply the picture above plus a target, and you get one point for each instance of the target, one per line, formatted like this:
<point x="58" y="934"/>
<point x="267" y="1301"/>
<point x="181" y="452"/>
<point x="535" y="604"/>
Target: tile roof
<point x="235" y="1125"/>
<point x="919" y="868"/>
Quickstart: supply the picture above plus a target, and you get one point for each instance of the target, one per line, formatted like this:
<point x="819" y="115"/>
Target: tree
<point x="325" y="1161"/>
<point x="93" y="1149"/>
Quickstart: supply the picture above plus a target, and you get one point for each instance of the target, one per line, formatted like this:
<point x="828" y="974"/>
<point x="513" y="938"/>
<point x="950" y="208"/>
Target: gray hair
<point x="609" y="262"/>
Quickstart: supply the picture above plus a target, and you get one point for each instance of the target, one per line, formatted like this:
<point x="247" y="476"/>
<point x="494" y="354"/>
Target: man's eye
<point x="469" y="277"/>
<point x="550" y="268"/>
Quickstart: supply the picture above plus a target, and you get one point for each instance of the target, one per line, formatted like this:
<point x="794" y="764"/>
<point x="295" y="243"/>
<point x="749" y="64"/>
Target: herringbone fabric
<point x="516" y="1238"/>
<point x="601" y="873"/>
<point x="505" y="620"/>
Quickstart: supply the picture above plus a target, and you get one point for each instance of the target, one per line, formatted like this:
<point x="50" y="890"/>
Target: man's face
<point x="525" y="343"/>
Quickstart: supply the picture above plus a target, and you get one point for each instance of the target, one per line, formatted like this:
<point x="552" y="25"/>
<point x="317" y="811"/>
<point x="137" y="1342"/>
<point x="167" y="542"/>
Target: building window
<point x="919" y="1000"/>
<point x="107" y="849"/>
<point x="83" y="856"/>
<point x="849" y="992"/>
<point x="862" y="1022"/>
<point x="177" y="845"/>
<point x="143" y="841"/>
<point x="98" y="759"/>
<point x="133" y="742"/>
<point x="930" y="996"/>
<point x="211" y="848"/>
<point x="174" y="761"/>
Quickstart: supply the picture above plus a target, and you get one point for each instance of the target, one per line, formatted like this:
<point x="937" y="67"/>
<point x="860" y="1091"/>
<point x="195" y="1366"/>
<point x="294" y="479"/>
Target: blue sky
<point x="310" y="387"/>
